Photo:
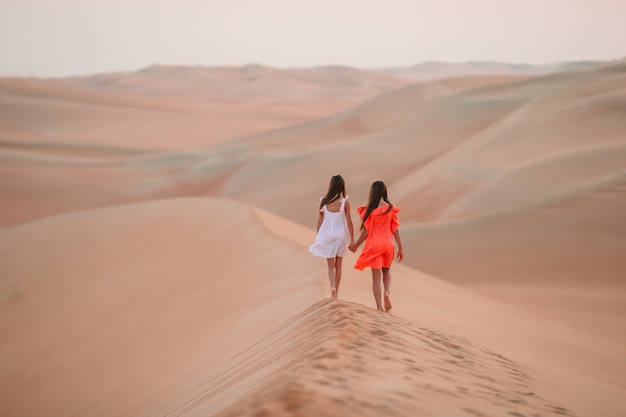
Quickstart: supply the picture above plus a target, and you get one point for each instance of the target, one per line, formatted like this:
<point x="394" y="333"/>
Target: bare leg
<point x="386" y="280"/>
<point x="376" y="276"/>
<point x="338" y="262"/>
<point x="387" y="287"/>
<point x="331" y="276"/>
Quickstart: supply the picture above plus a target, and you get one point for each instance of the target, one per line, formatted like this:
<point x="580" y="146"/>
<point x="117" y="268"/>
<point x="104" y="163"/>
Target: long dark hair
<point x="378" y="191"/>
<point x="336" y="190"/>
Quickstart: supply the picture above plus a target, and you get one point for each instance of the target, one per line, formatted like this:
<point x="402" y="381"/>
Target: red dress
<point x="379" y="250"/>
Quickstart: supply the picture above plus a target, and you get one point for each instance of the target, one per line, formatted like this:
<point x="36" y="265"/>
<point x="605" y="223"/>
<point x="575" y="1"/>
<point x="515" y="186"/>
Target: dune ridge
<point x="351" y="360"/>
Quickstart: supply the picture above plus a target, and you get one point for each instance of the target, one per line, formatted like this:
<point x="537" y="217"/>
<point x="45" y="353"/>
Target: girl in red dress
<point x="378" y="229"/>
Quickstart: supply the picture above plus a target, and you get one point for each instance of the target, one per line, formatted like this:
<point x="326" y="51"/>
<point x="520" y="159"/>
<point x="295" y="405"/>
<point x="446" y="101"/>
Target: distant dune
<point x="436" y="70"/>
<point x="249" y="82"/>
<point x="177" y="107"/>
<point x="155" y="226"/>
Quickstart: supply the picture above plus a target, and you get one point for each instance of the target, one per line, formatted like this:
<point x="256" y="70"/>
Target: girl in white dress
<point x="330" y="242"/>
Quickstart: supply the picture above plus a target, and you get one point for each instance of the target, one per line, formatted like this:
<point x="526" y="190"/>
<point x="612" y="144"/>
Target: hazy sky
<point x="66" y="37"/>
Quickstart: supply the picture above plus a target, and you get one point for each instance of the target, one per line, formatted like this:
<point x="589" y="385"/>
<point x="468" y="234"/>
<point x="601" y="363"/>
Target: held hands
<point x="352" y="247"/>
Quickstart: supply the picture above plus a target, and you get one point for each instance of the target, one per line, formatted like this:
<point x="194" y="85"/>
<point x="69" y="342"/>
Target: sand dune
<point x="126" y="306"/>
<point x="355" y="362"/>
<point x="507" y="184"/>
<point x="522" y="166"/>
<point x="249" y="82"/>
<point x="177" y="107"/>
<point x="428" y="71"/>
<point x="516" y="180"/>
<point x="157" y="308"/>
<point x="512" y="195"/>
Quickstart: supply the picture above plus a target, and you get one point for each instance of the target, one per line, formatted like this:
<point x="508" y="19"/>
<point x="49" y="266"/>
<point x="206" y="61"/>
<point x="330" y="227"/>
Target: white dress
<point x="331" y="238"/>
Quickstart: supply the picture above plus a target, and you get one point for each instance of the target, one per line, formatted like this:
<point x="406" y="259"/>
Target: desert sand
<point x="427" y="71"/>
<point x="155" y="226"/>
<point x="176" y="108"/>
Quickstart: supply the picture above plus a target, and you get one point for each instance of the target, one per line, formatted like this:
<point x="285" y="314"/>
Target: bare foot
<point x="333" y="292"/>
<point x="387" y="302"/>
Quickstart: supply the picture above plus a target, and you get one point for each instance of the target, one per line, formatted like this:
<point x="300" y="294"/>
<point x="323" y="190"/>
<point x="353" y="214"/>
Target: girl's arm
<point x="350" y="226"/>
<point x="320" y="219"/>
<point x="396" y="235"/>
<point x="360" y="240"/>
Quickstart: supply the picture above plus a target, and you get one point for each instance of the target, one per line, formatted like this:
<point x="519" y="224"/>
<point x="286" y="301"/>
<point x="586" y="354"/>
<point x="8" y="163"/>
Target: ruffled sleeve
<point x="361" y="210"/>
<point x="395" y="223"/>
